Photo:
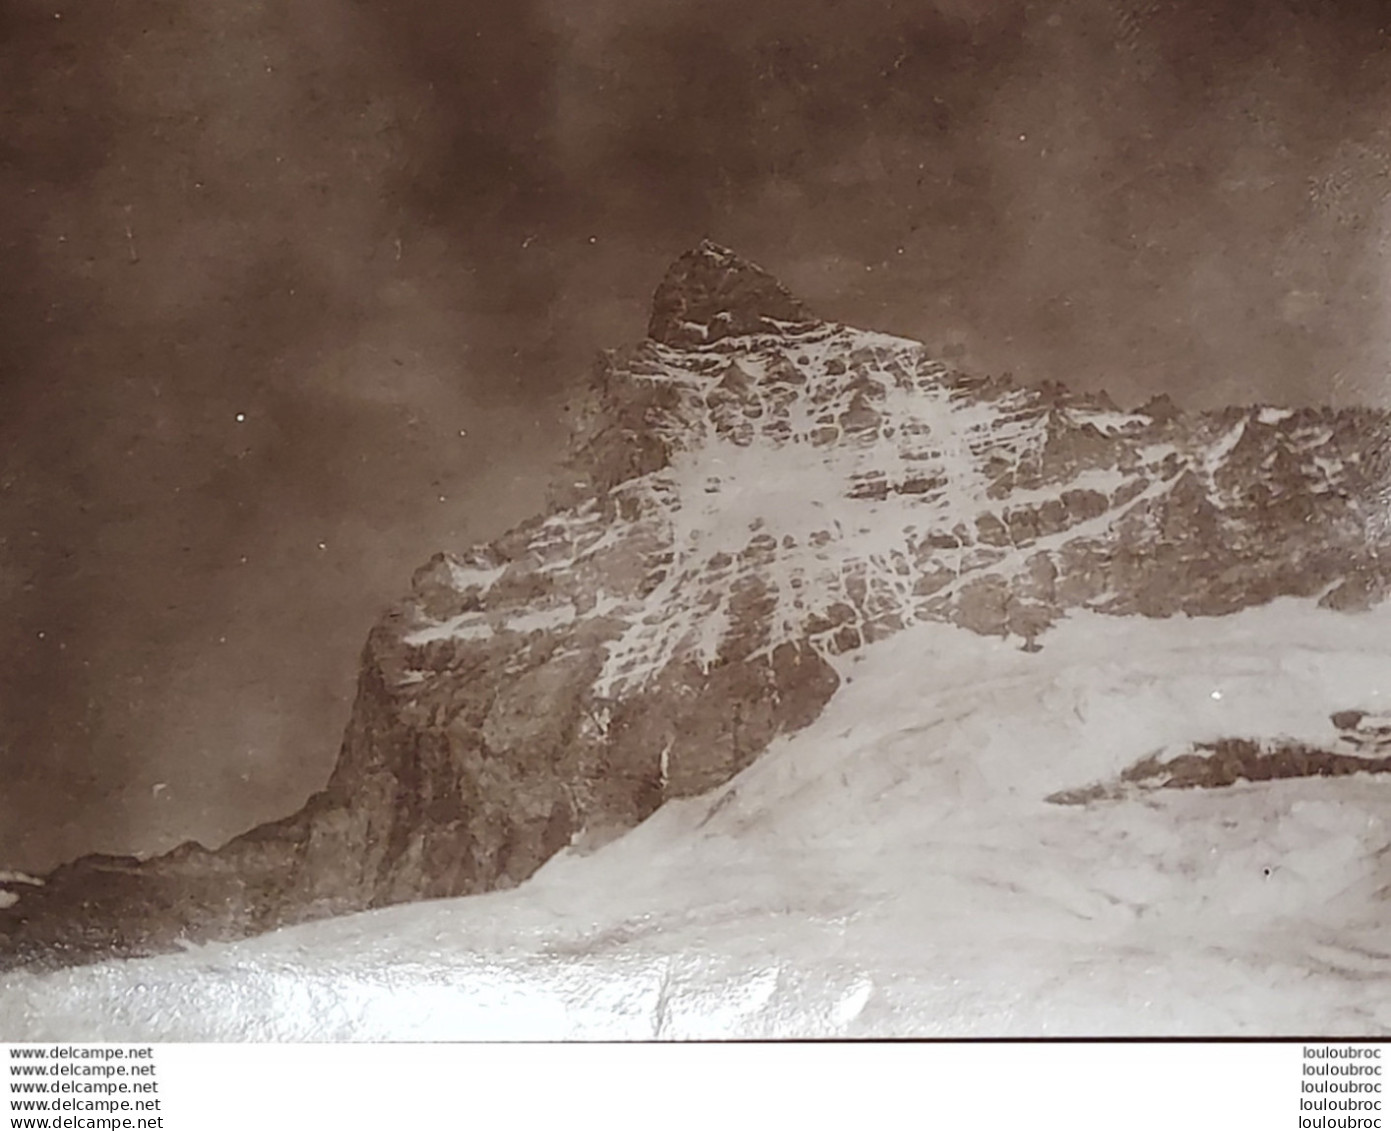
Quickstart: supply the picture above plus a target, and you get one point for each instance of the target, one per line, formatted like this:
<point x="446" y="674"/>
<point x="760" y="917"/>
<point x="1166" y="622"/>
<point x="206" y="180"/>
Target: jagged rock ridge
<point x="752" y="494"/>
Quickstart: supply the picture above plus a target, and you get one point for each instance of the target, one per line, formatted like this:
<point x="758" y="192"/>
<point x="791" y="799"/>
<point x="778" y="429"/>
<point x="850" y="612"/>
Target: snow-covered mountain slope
<point x="892" y="869"/>
<point x="754" y="496"/>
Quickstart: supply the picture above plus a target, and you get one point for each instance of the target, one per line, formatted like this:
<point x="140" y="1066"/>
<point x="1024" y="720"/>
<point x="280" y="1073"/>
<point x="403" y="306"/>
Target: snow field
<point x="892" y="870"/>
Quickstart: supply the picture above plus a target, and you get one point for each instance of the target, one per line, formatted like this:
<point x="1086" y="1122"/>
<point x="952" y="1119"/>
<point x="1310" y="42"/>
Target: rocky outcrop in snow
<point x="752" y="493"/>
<point x="1213" y="765"/>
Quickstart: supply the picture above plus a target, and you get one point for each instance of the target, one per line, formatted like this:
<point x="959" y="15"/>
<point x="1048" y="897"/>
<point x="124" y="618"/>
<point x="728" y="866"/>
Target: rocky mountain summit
<point x="710" y="294"/>
<point x="752" y="496"/>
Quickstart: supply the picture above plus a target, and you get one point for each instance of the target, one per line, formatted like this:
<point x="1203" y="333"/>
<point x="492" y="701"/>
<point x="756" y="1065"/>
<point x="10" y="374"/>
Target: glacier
<point x="894" y="869"/>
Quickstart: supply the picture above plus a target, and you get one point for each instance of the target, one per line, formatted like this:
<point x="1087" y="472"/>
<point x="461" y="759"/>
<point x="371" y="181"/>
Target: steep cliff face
<point x="752" y="492"/>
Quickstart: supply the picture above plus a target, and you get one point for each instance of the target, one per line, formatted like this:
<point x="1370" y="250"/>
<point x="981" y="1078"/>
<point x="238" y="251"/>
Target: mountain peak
<point x="741" y="518"/>
<point x="711" y="293"/>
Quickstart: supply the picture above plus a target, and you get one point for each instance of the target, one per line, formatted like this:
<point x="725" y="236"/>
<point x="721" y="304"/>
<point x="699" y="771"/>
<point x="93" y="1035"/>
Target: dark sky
<point x="293" y="294"/>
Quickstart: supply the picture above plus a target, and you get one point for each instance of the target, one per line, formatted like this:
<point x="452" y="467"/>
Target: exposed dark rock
<point x="1364" y="731"/>
<point x="1215" y="765"/>
<point x="711" y="293"/>
<point x="1160" y="408"/>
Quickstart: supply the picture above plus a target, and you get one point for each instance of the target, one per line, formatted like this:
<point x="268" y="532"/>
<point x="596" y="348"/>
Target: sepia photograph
<point x="694" y="520"/>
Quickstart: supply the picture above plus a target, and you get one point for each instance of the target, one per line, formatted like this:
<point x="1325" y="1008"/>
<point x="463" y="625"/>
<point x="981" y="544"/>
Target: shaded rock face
<point x="751" y="496"/>
<point x="710" y="293"/>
